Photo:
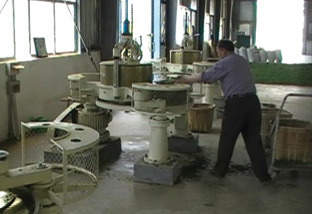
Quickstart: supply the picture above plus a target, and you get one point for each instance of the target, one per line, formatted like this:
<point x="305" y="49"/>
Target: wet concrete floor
<point x="197" y="191"/>
<point x="239" y="192"/>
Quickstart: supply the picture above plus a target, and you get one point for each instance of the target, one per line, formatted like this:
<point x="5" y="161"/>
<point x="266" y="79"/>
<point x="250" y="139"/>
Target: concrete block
<point x="166" y="174"/>
<point x="109" y="150"/>
<point x="183" y="145"/>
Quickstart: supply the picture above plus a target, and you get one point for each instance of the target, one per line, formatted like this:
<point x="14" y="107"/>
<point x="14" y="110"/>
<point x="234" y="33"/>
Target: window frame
<point x="74" y="16"/>
<point x="75" y="3"/>
<point x="13" y="16"/>
<point x="146" y="55"/>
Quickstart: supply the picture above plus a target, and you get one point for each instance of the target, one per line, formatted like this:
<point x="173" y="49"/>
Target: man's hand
<point x="190" y="79"/>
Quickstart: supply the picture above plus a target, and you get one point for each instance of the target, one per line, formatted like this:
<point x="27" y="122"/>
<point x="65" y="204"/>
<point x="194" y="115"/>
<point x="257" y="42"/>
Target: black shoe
<point x="216" y="173"/>
<point x="267" y="181"/>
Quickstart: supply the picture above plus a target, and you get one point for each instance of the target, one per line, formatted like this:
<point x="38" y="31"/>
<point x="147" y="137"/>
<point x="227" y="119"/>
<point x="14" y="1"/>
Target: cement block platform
<point x="166" y="174"/>
<point x="183" y="145"/>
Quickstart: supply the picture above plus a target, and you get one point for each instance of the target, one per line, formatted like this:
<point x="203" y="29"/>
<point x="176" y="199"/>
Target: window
<point x="246" y="20"/>
<point x="307" y="28"/>
<point x="245" y="28"/>
<point x="142" y="23"/>
<point x="282" y="30"/>
<point x="209" y="20"/>
<point x="7" y="29"/>
<point x="207" y="28"/>
<point x="187" y="15"/>
<point x="26" y="19"/>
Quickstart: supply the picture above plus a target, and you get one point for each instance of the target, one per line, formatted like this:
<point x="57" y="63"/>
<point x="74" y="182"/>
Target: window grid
<point x="10" y="6"/>
<point x="7" y="36"/>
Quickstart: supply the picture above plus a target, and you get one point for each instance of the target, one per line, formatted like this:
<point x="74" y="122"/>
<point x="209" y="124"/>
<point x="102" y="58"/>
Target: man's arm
<point x="190" y="79"/>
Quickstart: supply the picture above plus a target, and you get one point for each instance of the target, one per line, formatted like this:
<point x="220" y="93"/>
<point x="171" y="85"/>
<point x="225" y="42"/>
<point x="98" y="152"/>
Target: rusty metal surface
<point x="185" y="56"/>
<point x="129" y="73"/>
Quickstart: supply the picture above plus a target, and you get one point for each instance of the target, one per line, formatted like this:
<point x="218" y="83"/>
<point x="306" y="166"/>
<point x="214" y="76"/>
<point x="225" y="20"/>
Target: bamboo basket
<point x="201" y="117"/>
<point x="293" y="141"/>
<point x="267" y="115"/>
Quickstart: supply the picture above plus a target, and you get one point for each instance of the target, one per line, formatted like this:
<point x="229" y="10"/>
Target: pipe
<point x="83" y="42"/>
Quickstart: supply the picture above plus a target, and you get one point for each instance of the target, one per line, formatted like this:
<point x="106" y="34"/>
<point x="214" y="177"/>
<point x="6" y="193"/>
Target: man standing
<point x="242" y="113"/>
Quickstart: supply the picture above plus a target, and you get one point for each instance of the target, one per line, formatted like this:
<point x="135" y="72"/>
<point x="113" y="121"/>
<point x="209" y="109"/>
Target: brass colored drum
<point x="182" y="56"/>
<point x="128" y="73"/>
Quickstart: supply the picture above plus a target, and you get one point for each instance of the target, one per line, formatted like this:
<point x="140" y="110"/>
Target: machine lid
<point x="111" y="63"/>
<point x="203" y="63"/>
<point x="161" y="87"/>
<point x="185" y="51"/>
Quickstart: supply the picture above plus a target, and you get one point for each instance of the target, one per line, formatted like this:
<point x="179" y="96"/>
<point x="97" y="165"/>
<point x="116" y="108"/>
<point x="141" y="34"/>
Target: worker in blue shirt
<point x="242" y="113"/>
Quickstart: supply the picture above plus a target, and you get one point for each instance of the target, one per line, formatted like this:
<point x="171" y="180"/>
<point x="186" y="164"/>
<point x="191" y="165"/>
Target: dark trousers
<point x="242" y="115"/>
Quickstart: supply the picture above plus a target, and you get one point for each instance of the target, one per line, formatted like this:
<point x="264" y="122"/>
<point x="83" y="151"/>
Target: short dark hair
<point x="226" y="44"/>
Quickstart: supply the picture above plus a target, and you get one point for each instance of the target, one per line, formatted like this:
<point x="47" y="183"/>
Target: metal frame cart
<point x="291" y="142"/>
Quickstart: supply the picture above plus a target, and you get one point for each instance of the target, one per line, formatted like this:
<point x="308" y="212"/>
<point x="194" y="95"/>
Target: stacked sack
<point x="253" y="54"/>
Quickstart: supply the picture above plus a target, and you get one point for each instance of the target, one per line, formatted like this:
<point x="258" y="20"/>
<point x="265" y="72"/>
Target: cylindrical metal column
<point x="181" y="128"/>
<point x="41" y="193"/>
<point x="158" y="151"/>
<point x="212" y="91"/>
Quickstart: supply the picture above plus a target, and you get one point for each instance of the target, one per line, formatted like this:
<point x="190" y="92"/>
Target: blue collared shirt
<point x="234" y="74"/>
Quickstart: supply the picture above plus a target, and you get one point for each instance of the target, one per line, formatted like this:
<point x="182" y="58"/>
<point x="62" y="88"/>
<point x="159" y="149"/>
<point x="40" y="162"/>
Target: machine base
<point x="183" y="145"/>
<point x="166" y="174"/>
<point x="109" y="150"/>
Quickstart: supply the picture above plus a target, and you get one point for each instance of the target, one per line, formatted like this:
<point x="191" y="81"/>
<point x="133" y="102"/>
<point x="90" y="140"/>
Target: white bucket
<point x="236" y="51"/>
<point x="271" y="56"/>
<point x="256" y="56"/>
<point x="243" y="53"/>
<point x="263" y="56"/>
<point x="250" y="55"/>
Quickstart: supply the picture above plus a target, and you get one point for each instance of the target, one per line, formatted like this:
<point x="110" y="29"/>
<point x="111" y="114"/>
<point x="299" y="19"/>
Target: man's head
<point x="224" y="48"/>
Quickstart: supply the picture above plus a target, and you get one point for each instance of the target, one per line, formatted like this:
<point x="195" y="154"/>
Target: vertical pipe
<point x="158" y="151"/>
<point x="14" y="33"/>
<point x="116" y="69"/>
<point x="12" y="108"/>
<point x="65" y="175"/>
<point x="171" y="20"/>
<point x="200" y="24"/>
<point x="131" y="22"/>
<point x="109" y="28"/>
<point x="153" y="46"/>
<point x="23" y="134"/>
<point x="2" y="8"/>
<point x="126" y="30"/>
<point x="254" y="22"/>
<point x="54" y="27"/>
<point x="126" y="9"/>
<point x="227" y="19"/>
<point x="216" y="28"/>
<point x="186" y="24"/>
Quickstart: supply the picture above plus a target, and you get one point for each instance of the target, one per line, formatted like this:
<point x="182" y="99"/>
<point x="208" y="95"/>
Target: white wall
<point x="43" y="83"/>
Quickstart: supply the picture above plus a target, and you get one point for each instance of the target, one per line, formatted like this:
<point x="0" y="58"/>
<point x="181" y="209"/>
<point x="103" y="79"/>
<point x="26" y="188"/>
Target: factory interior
<point x="94" y="120"/>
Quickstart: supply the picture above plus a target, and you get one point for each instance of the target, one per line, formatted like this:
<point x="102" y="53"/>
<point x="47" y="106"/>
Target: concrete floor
<point x="239" y="192"/>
